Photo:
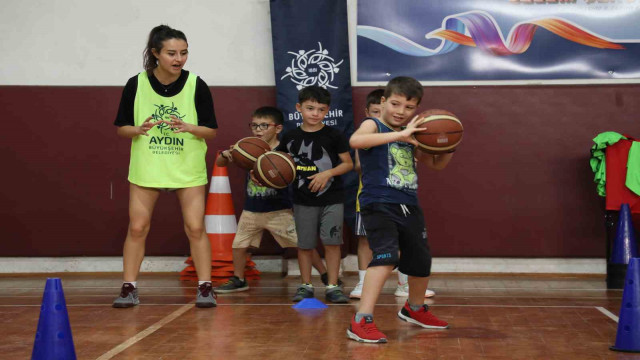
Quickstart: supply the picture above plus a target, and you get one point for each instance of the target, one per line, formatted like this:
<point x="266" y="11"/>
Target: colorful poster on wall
<point x="488" y="40"/>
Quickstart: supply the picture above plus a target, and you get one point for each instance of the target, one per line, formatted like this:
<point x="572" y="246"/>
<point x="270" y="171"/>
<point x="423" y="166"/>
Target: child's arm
<point x="224" y="158"/>
<point x="435" y="162"/>
<point x="367" y="135"/>
<point x="357" y="167"/>
<point x="196" y="130"/>
<point x="319" y="180"/>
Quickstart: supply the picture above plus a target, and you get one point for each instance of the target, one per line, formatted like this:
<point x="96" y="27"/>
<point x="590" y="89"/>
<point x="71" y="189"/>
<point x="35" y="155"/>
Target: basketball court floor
<point x="491" y="317"/>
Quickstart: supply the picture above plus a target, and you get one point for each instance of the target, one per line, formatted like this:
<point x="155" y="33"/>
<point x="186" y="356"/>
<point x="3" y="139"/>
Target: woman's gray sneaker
<point x="128" y="297"/>
<point x="205" y="298"/>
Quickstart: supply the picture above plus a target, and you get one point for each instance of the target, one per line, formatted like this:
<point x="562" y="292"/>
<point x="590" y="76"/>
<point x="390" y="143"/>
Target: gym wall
<point x="519" y="186"/>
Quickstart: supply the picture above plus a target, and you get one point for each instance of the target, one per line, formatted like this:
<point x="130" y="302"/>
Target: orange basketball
<point x="247" y="150"/>
<point x="275" y="169"/>
<point x="443" y="134"/>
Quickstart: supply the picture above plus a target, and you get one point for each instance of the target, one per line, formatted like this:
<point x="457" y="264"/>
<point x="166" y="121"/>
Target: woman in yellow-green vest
<point x="167" y="112"/>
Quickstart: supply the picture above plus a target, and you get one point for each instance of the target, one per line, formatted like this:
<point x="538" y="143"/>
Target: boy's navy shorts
<point x="360" y="231"/>
<point x="393" y="228"/>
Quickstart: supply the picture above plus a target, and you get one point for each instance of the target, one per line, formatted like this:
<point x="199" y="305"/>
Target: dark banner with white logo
<point x="311" y="47"/>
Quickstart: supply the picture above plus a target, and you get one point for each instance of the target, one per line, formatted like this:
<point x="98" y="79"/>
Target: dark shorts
<point x="393" y="228"/>
<point x="360" y="231"/>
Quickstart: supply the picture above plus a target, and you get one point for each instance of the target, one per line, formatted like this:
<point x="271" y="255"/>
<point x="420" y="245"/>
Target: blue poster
<point x="311" y="47"/>
<point x="476" y="40"/>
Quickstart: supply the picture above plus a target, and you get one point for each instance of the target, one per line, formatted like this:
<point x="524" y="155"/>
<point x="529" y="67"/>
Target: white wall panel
<point x="75" y="42"/>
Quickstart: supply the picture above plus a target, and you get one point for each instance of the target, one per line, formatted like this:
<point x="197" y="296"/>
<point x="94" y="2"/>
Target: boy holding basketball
<point x="373" y="110"/>
<point x="389" y="207"/>
<point x="264" y="208"/>
<point x="321" y="154"/>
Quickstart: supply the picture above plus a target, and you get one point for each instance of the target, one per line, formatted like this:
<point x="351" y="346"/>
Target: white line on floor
<point x="146" y="332"/>
<point x="349" y="304"/>
<point x="240" y="296"/>
<point x="608" y="313"/>
<point x="295" y="287"/>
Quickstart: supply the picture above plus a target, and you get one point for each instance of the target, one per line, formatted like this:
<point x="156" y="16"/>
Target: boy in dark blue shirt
<point x="264" y="208"/>
<point x="392" y="217"/>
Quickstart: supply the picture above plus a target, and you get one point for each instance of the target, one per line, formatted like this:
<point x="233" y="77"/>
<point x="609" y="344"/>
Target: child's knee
<point x="335" y="248"/>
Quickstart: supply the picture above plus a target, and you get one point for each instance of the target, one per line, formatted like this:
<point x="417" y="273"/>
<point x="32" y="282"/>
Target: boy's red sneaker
<point x="422" y="317"/>
<point x="365" y="331"/>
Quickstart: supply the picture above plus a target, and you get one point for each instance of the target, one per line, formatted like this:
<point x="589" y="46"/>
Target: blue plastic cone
<point x="310" y="303"/>
<point x="628" y="335"/>
<point x="53" y="337"/>
<point x="624" y="245"/>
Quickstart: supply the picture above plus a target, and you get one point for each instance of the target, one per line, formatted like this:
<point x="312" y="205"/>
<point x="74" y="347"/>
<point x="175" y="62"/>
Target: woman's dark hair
<point x="157" y="36"/>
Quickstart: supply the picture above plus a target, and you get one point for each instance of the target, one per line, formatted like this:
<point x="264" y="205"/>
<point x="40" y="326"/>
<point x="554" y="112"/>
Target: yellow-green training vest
<point x="165" y="159"/>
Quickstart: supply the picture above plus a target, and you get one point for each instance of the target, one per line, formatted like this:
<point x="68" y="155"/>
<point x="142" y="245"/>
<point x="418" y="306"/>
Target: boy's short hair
<point x="269" y="112"/>
<point x="374" y="97"/>
<point x="320" y="95"/>
<point x="406" y="86"/>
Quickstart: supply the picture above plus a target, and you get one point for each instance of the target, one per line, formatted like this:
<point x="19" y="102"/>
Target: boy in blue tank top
<point x="373" y="110"/>
<point x="389" y="208"/>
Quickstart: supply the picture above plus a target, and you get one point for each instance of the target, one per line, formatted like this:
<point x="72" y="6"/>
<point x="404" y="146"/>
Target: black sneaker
<point x="206" y="298"/>
<point x="303" y="292"/>
<point x="128" y="297"/>
<point x="336" y="296"/>
<point x="233" y="285"/>
<point x="325" y="280"/>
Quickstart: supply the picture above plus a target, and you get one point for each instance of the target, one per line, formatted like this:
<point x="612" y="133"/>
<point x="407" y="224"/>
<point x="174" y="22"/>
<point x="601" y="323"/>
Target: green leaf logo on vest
<point x="164" y="112"/>
<point x="168" y="143"/>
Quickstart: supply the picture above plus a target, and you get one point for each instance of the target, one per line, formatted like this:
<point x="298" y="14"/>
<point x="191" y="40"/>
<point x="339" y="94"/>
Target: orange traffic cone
<point x="221" y="226"/>
<point x="220" y="216"/>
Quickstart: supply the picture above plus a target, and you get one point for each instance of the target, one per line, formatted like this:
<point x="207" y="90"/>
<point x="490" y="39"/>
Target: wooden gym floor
<point x="491" y="317"/>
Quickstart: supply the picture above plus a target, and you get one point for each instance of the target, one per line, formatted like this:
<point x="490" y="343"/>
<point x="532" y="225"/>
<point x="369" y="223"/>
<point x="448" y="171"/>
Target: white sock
<point x="361" y="274"/>
<point x="402" y="278"/>
<point x="202" y="282"/>
<point x="134" y="283"/>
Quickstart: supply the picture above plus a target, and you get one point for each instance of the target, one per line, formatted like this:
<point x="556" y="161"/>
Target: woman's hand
<point x="146" y="126"/>
<point x="177" y="125"/>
